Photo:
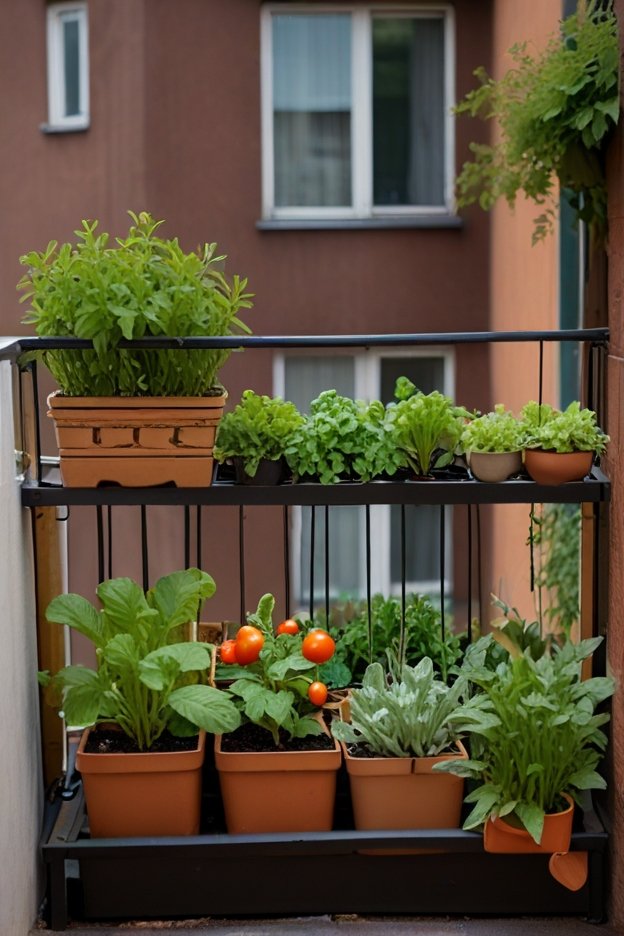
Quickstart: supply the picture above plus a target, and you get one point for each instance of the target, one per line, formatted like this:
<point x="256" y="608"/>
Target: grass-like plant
<point x="533" y="732"/>
<point x="554" y="109"/>
<point x="142" y="286"/>
<point x="406" y="712"/>
<point x="498" y="431"/>
<point x="258" y="427"/>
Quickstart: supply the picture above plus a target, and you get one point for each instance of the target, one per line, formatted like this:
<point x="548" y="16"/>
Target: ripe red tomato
<point x="317" y="693"/>
<point x="288" y="627"/>
<point x="249" y="641"/>
<point x="228" y="651"/>
<point x="318" y="646"/>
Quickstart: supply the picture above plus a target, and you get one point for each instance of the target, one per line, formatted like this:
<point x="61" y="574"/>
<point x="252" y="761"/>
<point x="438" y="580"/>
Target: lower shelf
<point x="200" y="876"/>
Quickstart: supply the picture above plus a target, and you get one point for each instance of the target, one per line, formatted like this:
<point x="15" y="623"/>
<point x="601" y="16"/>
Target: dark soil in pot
<point x="103" y="740"/>
<point x="251" y="737"/>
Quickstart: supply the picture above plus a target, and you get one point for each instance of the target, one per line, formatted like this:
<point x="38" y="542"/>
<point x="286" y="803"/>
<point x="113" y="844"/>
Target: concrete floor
<point x="354" y="926"/>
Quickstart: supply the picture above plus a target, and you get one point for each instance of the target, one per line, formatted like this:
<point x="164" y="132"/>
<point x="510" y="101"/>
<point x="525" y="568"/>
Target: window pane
<point x="422" y="524"/>
<point x="71" y="72"/>
<point x="305" y="378"/>
<point x="312" y="109"/>
<point x="408" y="111"/>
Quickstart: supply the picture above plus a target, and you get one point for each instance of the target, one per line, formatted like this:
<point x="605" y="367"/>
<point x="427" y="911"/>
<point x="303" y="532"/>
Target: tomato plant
<point x="249" y="643"/>
<point x="228" y="652"/>
<point x="317" y="693"/>
<point x="318" y="646"/>
<point x="288" y="627"/>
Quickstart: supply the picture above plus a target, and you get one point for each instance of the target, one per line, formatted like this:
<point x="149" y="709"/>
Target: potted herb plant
<point x="277" y="772"/>
<point x="146" y="701"/>
<point x="343" y="439"/>
<point x="255" y="435"/>
<point x="536" y="742"/>
<point x="561" y="446"/>
<point x="400" y="726"/>
<point x="128" y="415"/>
<point x="426" y="428"/>
<point x="493" y="445"/>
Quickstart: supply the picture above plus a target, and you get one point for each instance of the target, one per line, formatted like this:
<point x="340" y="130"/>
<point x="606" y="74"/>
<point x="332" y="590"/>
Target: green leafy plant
<point x="143" y="286"/>
<point x="533" y="732"/>
<point x="554" y="109"/>
<point x="426" y="427"/>
<point x="403" y="713"/>
<point x="498" y="431"/>
<point x="144" y="682"/>
<point x="573" y="430"/>
<point x="272" y="690"/>
<point x="422" y="633"/>
<point x="343" y="438"/>
<point x="258" y="427"/>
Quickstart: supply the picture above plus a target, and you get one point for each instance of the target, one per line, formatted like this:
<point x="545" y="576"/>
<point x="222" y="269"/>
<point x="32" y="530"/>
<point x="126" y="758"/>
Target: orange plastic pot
<point x="278" y="791"/>
<point x="151" y="793"/>
<point x="503" y="838"/>
<point x="557" y="467"/>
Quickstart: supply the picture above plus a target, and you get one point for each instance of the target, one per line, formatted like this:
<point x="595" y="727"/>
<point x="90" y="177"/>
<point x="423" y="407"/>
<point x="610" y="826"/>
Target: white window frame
<point x="361" y="113"/>
<point x="56" y="15"/>
<point x="367" y="384"/>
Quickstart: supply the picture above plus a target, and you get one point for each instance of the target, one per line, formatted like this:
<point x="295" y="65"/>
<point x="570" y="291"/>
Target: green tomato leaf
<point x="206" y="707"/>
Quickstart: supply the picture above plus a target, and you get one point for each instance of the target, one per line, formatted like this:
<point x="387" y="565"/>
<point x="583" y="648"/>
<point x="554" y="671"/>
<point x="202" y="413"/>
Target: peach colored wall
<point x="523" y="295"/>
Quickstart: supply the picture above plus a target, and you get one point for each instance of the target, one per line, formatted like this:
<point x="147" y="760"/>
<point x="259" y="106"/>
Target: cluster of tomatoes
<point x="317" y="647"/>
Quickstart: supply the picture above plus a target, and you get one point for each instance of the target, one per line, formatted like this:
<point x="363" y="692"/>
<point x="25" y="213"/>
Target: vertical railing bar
<point x="326" y="565"/>
<point x="596" y="575"/>
<point x="312" y="551"/>
<point x="35" y="393"/>
<point x="532" y="549"/>
<point x="144" y="547"/>
<point x="479" y="568"/>
<point x="402" y="648"/>
<point x="187" y="536"/>
<point x="286" y="560"/>
<point x="198" y="536"/>
<point x="541" y="374"/>
<point x="590" y="378"/>
<point x="442" y="572"/>
<point x="241" y="562"/>
<point x="100" y="543"/>
<point x="110" y="541"/>
<point x="368" y="585"/>
<point x="469" y="622"/>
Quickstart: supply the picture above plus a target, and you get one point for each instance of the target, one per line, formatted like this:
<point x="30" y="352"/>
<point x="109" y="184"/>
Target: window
<point x="301" y="378"/>
<point x="356" y="111"/>
<point x="68" y="66"/>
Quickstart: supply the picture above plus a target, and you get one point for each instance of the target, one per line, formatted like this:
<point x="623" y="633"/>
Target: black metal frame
<point x="175" y="877"/>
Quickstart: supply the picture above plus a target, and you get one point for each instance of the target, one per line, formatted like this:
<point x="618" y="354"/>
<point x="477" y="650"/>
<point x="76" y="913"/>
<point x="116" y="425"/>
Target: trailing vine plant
<point x="554" y="109"/>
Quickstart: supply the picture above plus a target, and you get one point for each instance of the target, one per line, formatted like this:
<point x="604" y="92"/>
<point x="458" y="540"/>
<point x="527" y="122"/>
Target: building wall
<point x="20" y="766"/>
<point x="523" y="296"/>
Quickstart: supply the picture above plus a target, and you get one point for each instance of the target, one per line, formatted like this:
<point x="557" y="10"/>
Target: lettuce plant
<point x="533" y="733"/>
<point x="404" y="713"/>
<point x="143" y="286"/>
<point x="426" y="427"/>
<point x="573" y="430"/>
<point x="145" y="680"/>
<point x="498" y="431"/>
<point x="343" y="438"/>
<point x="258" y="427"/>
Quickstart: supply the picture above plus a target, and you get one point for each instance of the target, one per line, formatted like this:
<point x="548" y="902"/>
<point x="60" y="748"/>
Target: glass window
<point x="68" y="67"/>
<point x="356" y="111"/>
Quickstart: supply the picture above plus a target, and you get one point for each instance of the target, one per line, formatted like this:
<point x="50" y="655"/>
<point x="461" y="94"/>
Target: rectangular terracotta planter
<point x="151" y="793"/>
<point x="136" y="441"/>
<point x="278" y="791"/>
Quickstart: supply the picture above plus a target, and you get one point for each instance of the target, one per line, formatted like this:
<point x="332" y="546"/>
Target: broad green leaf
<point x="279" y="706"/>
<point x="123" y="601"/>
<point x="76" y="612"/>
<point x="121" y="653"/>
<point x="532" y="818"/>
<point x="304" y="727"/>
<point x="177" y="596"/>
<point x="206" y="707"/>
<point x="295" y="663"/>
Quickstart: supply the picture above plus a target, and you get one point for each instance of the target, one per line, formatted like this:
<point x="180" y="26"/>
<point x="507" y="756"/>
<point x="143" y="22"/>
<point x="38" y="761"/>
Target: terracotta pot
<point x="278" y="791"/>
<point x="557" y="467"/>
<point x="136" y="441"/>
<point x="494" y="466"/>
<point x="151" y="793"/>
<point x="502" y="838"/>
<point x="404" y="792"/>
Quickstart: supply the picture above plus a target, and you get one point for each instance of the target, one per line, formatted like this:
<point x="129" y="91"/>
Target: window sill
<point x="61" y="128"/>
<point x="360" y="224"/>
